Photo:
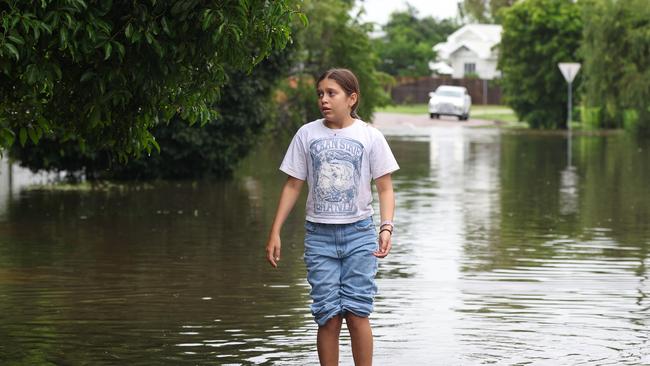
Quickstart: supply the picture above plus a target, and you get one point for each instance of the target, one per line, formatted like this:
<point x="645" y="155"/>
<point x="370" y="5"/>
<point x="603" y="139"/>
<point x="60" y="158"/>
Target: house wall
<point x="485" y="68"/>
<point x="475" y="42"/>
<point x="459" y="59"/>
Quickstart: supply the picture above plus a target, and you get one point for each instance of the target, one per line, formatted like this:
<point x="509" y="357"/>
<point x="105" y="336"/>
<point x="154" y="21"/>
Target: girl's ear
<point x="353" y="98"/>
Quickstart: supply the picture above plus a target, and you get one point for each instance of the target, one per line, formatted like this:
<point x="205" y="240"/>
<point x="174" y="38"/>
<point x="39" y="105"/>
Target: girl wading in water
<point x="339" y="155"/>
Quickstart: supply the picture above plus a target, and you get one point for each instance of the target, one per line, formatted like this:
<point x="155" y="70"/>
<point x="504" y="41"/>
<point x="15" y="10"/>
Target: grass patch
<point x="501" y="117"/>
<point x="488" y="112"/>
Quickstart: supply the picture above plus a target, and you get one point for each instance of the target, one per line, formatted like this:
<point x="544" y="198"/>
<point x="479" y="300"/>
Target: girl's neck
<point x="337" y="125"/>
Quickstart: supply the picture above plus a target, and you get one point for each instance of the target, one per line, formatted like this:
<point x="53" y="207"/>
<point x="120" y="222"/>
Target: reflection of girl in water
<point x="335" y="181"/>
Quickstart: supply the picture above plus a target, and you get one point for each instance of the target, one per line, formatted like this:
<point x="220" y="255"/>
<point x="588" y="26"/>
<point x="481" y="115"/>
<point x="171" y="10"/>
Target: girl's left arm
<point x="384" y="186"/>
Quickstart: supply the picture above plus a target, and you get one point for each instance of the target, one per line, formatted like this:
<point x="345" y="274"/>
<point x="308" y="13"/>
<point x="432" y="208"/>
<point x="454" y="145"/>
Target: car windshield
<point x="449" y="93"/>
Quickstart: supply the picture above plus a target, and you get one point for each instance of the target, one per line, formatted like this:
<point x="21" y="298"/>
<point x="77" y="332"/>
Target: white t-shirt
<point x="338" y="165"/>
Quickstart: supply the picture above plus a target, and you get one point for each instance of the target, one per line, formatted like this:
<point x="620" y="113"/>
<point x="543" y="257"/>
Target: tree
<point x="406" y="48"/>
<point x="616" y="51"/>
<point x="214" y="150"/>
<point x="537" y="35"/>
<point x="483" y="11"/>
<point x="104" y="75"/>
<point x="333" y="38"/>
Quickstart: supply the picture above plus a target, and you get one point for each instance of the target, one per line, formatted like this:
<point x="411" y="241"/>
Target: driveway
<point x="400" y="124"/>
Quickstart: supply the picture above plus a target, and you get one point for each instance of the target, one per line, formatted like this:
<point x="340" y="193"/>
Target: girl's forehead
<point x="329" y="84"/>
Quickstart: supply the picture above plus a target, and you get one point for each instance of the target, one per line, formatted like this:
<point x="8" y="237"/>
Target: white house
<point x="471" y="50"/>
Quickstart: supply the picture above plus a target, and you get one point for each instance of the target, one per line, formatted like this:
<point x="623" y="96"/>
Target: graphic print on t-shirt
<point x="337" y="172"/>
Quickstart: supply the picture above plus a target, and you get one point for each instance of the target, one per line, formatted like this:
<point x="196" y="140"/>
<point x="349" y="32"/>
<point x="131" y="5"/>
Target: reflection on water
<point x="503" y="255"/>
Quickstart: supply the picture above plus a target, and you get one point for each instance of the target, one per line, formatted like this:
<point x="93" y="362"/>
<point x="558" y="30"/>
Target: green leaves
<point x="23" y="136"/>
<point x="35" y="133"/>
<point x="10" y="48"/>
<point x="106" y="74"/>
<point x="7" y="136"/>
<point x="107" y="50"/>
<point x="537" y="34"/>
<point x="406" y="47"/>
<point x="128" y="31"/>
<point x="616" y="49"/>
<point x="17" y="39"/>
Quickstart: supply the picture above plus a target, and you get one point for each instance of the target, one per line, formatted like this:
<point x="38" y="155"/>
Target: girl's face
<point x="333" y="102"/>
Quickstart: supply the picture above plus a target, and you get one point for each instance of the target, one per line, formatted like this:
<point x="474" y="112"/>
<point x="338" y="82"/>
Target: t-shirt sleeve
<point x="295" y="160"/>
<point x="382" y="160"/>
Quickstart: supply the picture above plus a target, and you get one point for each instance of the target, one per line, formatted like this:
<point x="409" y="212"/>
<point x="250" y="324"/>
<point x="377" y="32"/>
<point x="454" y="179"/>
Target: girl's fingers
<point x="384" y="249"/>
<point x="271" y="257"/>
<point x="276" y="254"/>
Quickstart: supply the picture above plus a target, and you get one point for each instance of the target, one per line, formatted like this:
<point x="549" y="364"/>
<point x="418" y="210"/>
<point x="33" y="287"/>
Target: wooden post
<point x="485" y="91"/>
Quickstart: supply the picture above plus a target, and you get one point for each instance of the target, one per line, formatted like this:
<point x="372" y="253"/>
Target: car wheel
<point x="433" y="115"/>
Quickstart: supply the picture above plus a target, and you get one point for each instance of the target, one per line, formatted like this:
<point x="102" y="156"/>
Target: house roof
<point x="478" y="38"/>
<point x="441" y="68"/>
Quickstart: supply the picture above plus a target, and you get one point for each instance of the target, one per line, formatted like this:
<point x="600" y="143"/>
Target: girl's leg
<point x="328" y="341"/>
<point x="361" y="336"/>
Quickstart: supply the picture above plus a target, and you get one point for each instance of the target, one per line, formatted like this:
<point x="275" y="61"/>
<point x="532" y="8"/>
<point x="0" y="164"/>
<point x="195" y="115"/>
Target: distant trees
<point x="333" y="38"/>
<point x="537" y="35"/>
<point x="616" y="51"/>
<point x="104" y="74"/>
<point x="483" y="11"/>
<point x="406" y="48"/>
<point x="609" y="37"/>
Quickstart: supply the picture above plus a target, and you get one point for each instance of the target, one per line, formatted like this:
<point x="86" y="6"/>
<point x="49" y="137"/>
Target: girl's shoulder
<point x="308" y="128"/>
<point x="311" y="125"/>
<point x="371" y="129"/>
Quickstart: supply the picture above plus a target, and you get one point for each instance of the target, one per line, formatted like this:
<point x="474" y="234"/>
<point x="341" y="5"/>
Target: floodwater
<point x="504" y="254"/>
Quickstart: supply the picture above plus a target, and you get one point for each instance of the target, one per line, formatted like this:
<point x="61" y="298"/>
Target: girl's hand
<point x="273" y="250"/>
<point x="384" y="244"/>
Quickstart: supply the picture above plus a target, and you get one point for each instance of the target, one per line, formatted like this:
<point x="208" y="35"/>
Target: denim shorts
<point x="341" y="268"/>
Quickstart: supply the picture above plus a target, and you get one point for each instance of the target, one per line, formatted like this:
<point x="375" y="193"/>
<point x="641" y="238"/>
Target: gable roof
<point x="482" y="38"/>
<point x="490" y="33"/>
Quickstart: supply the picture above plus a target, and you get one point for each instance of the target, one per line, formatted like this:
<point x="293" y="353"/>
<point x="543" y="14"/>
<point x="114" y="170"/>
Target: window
<point x="470" y="69"/>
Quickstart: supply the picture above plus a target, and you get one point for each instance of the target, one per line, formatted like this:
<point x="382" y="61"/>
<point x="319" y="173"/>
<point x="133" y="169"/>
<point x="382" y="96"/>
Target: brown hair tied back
<point x="347" y="81"/>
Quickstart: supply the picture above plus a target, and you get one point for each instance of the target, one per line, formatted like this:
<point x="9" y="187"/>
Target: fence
<point x="411" y="90"/>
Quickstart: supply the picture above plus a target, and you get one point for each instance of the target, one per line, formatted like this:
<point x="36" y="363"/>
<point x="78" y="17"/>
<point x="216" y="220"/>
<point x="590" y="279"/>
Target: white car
<point x="450" y="101"/>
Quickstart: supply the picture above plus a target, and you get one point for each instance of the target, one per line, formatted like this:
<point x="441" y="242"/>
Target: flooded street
<point x="503" y="254"/>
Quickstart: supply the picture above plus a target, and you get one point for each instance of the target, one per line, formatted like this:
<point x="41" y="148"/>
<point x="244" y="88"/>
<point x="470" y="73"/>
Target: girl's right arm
<point x="288" y="198"/>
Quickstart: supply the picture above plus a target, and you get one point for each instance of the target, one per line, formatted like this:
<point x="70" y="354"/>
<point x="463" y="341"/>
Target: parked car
<point x="450" y="101"/>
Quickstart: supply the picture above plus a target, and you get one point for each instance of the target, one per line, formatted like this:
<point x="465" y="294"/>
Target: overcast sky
<point x="378" y="11"/>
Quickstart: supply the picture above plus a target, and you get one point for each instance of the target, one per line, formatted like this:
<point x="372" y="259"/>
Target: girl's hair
<point x="347" y="81"/>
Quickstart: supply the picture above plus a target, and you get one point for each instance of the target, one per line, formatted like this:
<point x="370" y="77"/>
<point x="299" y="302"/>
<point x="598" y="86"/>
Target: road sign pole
<point x="568" y="123"/>
<point x="569" y="71"/>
